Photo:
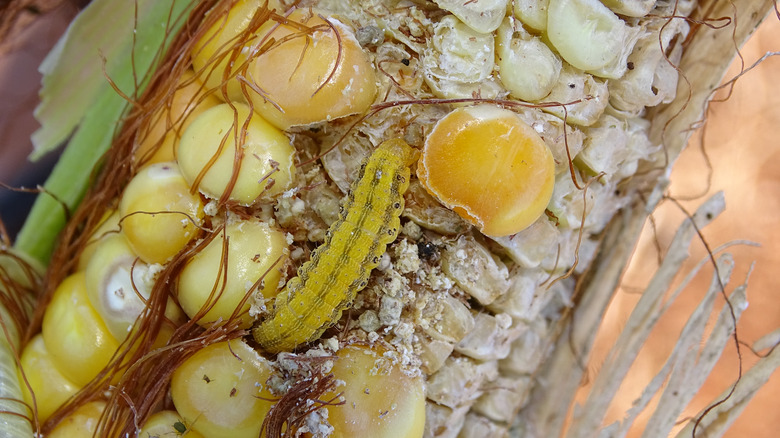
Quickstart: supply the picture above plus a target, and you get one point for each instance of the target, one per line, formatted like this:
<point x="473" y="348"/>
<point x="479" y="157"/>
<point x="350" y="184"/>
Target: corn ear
<point x="462" y="300"/>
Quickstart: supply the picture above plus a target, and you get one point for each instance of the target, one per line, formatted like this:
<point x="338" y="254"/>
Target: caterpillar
<point x="338" y="269"/>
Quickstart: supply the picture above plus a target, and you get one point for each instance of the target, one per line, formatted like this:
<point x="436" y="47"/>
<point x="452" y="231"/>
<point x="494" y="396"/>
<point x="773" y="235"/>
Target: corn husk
<point x="672" y="124"/>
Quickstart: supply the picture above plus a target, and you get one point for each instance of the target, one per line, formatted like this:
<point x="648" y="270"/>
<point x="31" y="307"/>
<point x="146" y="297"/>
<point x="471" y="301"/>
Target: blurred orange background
<point x="744" y="150"/>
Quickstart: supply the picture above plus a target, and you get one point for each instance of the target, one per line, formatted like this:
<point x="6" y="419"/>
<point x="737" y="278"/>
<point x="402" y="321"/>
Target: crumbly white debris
<point x="407" y="259"/>
<point x="390" y="311"/>
<point x="384" y="263"/>
<point x="210" y="209"/>
<point x="316" y="423"/>
<point x="404" y="331"/>
<point x="438" y="281"/>
<point x="297" y="206"/>
<point x="396" y="285"/>
<point x="331" y="344"/>
<point x="411" y="230"/>
<point x="369" y="321"/>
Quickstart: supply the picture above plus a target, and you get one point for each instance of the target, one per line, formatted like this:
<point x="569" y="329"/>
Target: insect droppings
<point x="339" y="268"/>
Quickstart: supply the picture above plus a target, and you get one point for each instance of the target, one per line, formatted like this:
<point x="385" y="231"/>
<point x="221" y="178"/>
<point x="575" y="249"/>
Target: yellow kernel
<point x="207" y="155"/>
<point x="118" y="286"/>
<point x="380" y="400"/>
<point x="490" y="167"/>
<point x="81" y="423"/>
<point x="109" y="224"/>
<point x="159" y="214"/>
<point x="50" y="387"/>
<point x="221" y="390"/>
<point x="75" y="335"/>
<point x="311" y="76"/>
<point x="158" y="142"/>
<point x="165" y="424"/>
<point x="218" y="42"/>
<point x="254" y="250"/>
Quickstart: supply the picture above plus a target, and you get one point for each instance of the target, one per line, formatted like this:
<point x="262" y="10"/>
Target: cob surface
<point x="448" y="305"/>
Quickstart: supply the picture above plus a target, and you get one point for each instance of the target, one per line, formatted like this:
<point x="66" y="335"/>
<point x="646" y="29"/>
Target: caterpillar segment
<point x="340" y="267"/>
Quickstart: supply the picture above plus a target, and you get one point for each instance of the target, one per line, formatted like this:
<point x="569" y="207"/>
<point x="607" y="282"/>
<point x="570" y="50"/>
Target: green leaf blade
<point x="76" y="92"/>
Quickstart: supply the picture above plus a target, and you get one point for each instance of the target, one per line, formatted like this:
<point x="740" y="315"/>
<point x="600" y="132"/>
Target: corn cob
<point x="456" y="301"/>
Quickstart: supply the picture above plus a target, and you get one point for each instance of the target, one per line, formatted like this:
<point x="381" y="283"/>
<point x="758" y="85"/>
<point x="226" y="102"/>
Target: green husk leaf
<point x="131" y="37"/>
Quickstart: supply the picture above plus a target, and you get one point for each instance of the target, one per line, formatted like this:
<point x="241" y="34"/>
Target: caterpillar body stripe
<point x="339" y="268"/>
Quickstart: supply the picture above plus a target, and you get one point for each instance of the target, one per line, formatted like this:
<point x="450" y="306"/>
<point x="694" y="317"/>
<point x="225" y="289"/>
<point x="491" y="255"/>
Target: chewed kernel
<point x="490" y="167"/>
<point x="118" y="286"/>
<point x="159" y="214"/>
<point x="311" y="76"/>
<point x="207" y="155"/>
<point x="374" y="406"/>
<point x="255" y="251"/>
<point x="221" y="391"/>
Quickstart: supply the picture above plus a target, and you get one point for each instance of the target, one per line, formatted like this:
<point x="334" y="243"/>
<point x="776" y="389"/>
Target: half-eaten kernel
<point x="490" y="167"/>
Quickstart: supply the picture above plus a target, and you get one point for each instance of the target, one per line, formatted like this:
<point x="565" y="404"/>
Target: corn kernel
<point x="158" y="143"/>
<point x="81" y="423"/>
<point x="109" y="224"/>
<point x="156" y="237"/>
<point x="454" y="320"/>
<point x="374" y="404"/>
<point x="254" y="249"/>
<point x="221" y="37"/>
<point x="460" y="381"/>
<point x="75" y="335"/>
<point x="267" y="163"/>
<point x="482" y="16"/>
<point x="459" y="61"/>
<point x="118" y="285"/>
<point x="50" y="387"/>
<point x="533" y="13"/>
<point x="220" y="391"/>
<point x="528" y="68"/>
<point x="311" y="77"/>
<point x="462" y="258"/>
<point x="166" y="424"/>
<point x="586" y="33"/>
<point x="490" y="167"/>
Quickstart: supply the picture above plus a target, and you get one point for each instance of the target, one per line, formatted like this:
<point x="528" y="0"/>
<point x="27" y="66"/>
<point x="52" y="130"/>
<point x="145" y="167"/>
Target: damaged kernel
<point x="483" y="149"/>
